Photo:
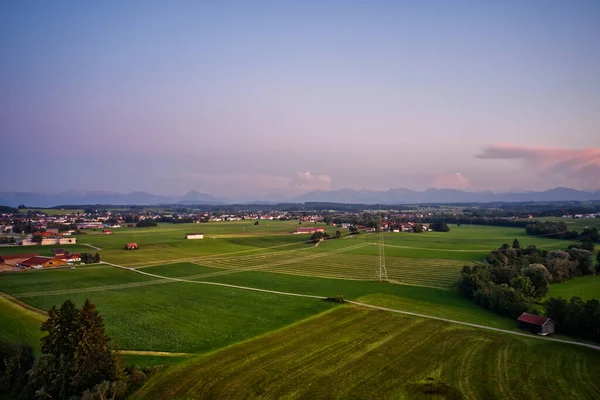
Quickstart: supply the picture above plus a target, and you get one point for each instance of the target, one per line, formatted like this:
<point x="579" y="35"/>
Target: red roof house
<point x="15" y="259"/>
<point x="536" y="324"/>
<point x="42" y="262"/>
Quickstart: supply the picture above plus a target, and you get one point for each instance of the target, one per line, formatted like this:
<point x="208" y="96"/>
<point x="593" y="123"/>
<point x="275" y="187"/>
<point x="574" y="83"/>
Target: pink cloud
<point x="577" y="167"/>
<point x="307" y="181"/>
<point x="451" y="181"/>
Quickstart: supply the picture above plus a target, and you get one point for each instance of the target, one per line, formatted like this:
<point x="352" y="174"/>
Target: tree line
<point x="560" y="230"/>
<point x="513" y="279"/>
<point x="77" y="361"/>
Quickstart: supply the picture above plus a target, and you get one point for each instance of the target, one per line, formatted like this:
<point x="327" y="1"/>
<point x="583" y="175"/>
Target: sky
<point x="261" y="98"/>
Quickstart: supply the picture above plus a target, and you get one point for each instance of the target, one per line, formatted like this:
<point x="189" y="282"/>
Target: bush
<point x="584" y="259"/>
<point x="146" y="223"/>
<point x="439" y="226"/>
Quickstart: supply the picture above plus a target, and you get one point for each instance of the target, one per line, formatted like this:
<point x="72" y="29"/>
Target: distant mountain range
<point x="392" y="196"/>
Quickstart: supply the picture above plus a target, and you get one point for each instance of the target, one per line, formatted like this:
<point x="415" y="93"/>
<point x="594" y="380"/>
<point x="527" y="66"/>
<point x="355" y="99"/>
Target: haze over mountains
<point x="392" y="196"/>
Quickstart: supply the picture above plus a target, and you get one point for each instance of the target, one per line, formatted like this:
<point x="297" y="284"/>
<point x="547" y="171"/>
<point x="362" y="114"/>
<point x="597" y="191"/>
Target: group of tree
<point x="88" y="258"/>
<point x="146" y="222"/>
<point x="487" y="287"/>
<point x="577" y="260"/>
<point x="575" y="317"/>
<point x="439" y="226"/>
<point x="515" y="278"/>
<point x="560" y="230"/>
<point x="176" y="219"/>
<point x="77" y="361"/>
<point x="319" y="236"/>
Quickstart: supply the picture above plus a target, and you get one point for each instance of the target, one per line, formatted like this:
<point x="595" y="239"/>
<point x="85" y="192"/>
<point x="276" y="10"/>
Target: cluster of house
<point x="19" y="262"/>
<point x="270" y="216"/>
<point x="582" y="216"/>
<point x="50" y="237"/>
<point x="404" y="227"/>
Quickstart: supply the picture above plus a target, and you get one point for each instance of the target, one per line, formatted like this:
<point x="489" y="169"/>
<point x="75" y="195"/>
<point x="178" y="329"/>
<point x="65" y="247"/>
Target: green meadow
<point x="586" y="287"/>
<point x="171" y="303"/>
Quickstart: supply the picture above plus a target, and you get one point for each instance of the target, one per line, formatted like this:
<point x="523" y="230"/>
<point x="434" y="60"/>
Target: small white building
<point x="194" y="235"/>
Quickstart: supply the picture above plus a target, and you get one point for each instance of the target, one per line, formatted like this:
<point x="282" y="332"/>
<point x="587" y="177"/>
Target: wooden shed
<point x="536" y="324"/>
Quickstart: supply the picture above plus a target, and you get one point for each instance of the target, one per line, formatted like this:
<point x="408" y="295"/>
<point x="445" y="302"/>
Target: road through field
<point x="591" y="346"/>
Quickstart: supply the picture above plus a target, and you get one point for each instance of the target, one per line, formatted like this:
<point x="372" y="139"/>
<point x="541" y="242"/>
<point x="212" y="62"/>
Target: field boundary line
<point x="591" y="346"/>
<point x="22" y="304"/>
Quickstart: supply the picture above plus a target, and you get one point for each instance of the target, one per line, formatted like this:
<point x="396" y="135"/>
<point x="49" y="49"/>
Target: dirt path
<point x="216" y="283"/>
<point x="591" y="346"/>
<point x="92" y="246"/>
<point x="155" y="353"/>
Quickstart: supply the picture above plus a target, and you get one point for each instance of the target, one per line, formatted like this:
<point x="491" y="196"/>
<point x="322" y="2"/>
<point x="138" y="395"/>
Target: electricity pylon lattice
<point x="382" y="272"/>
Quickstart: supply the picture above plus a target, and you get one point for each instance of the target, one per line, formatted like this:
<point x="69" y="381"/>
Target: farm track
<point x="155" y="353"/>
<point x="591" y="346"/>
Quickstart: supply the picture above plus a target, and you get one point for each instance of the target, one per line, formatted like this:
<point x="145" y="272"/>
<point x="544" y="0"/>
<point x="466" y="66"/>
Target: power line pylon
<point x="382" y="272"/>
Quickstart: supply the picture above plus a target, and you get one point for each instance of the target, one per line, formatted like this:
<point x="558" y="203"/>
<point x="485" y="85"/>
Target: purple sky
<point x="253" y="98"/>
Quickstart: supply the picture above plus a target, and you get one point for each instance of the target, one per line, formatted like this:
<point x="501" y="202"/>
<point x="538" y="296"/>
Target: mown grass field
<point x="353" y="352"/>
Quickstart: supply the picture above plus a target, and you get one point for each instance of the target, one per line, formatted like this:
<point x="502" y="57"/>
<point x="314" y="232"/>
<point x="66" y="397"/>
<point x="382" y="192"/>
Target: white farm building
<point x="194" y="235"/>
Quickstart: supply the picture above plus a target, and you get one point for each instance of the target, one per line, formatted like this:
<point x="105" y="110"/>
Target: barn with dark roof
<point x="536" y="324"/>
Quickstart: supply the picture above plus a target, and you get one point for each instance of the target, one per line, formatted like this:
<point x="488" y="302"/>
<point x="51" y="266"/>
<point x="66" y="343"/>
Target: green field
<point x="576" y="224"/>
<point x="52" y="211"/>
<point x="171" y="317"/>
<point x="19" y="325"/>
<point x="357" y="353"/>
<point x="586" y="287"/>
<point x="172" y="306"/>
